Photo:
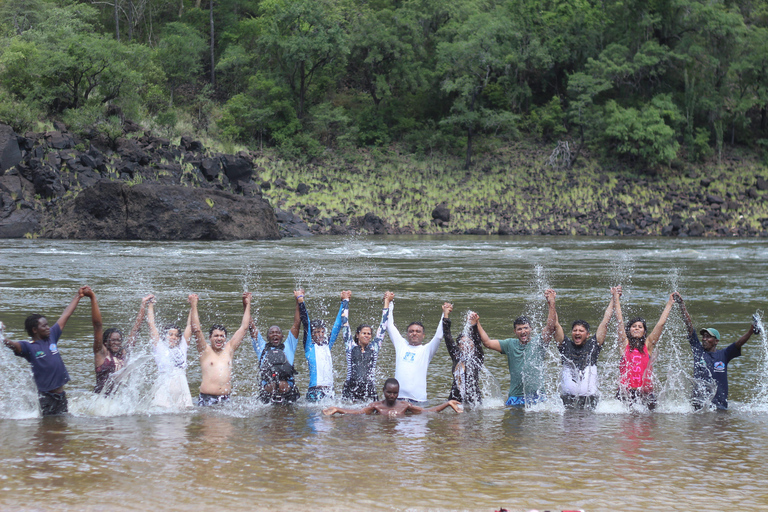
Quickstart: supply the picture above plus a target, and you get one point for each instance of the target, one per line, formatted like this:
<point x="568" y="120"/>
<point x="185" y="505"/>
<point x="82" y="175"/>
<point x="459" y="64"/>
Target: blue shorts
<point x="521" y="401"/>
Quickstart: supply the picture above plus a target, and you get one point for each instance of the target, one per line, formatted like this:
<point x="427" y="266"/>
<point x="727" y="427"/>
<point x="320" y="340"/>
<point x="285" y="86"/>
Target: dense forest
<point x="647" y="82"/>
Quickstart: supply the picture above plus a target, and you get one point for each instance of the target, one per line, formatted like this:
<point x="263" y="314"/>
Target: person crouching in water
<point x="467" y="355"/>
<point x="276" y="360"/>
<point x="362" y="351"/>
<point x="109" y="353"/>
<point x="317" y="351"/>
<point x="170" y="352"/>
<point x="636" y="366"/>
<point x="391" y="406"/>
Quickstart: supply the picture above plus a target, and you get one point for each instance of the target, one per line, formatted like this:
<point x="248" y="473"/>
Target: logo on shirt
<point x="719" y="366"/>
<point x="53" y="348"/>
<point x="39" y="354"/>
<point x="409" y="356"/>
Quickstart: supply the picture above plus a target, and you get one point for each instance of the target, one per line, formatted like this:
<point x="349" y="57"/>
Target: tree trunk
<point x="213" y="72"/>
<point x="117" y="23"/>
<point x="302" y="85"/>
<point x="468" y="163"/>
<point x="130" y="21"/>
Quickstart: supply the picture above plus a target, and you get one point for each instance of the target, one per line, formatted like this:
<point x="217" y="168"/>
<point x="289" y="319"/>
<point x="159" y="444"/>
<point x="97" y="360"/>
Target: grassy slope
<point x="514" y="187"/>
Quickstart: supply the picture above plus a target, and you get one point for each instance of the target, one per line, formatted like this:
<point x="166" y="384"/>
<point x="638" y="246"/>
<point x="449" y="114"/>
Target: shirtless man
<point x="216" y="358"/>
<point x="391" y="406"/>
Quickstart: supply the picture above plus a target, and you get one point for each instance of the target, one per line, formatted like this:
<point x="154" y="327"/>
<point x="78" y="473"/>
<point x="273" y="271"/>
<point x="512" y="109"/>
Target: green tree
<point x="299" y="40"/>
<point x="179" y="53"/>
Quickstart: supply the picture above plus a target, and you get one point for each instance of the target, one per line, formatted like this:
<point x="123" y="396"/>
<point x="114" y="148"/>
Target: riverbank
<point x="56" y="184"/>
<point x="515" y="192"/>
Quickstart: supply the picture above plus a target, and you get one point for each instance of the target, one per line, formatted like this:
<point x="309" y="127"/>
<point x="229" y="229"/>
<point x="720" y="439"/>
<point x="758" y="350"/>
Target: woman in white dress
<point x="170" y="350"/>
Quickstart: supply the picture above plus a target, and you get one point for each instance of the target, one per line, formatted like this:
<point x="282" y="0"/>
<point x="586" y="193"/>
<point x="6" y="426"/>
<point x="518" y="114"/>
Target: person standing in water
<point x="412" y="358"/>
<point x="42" y="352"/>
<point x="579" y="353"/>
<point x="276" y="359"/>
<point x="391" y="406"/>
<point x="216" y="357"/>
<point x="467" y="355"/>
<point x="636" y="366"/>
<point x="710" y="366"/>
<point x="362" y="351"/>
<point x="525" y="357"/>
<point x="317" y="350"/>
<point x="170" y="351"/>
<point x="109" y="354"/>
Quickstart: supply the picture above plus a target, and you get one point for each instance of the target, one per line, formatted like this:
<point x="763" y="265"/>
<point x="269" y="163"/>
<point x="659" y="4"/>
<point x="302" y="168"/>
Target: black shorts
<point x="579" y="402"/>
<point x="206" y="400"/>
<point x="359" y="391"/>
<point x="52" y="404"/>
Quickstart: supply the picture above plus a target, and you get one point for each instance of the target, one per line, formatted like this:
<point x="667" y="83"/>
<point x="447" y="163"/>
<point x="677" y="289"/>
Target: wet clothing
<point x="110" y="365"/>
<point x="579" y="402"/>
<point x="270" y="365"/>
<point x="277" y="397"/>
<point x="638" y="396"/>
<point x="711" y="368"/>
<point x="361" y="364"/>
<point x="206" y="400"/>
<point x="521" y="401"/>
<point x="526" y="367"/>
<point x="52" y="404"/>
<point x="636" y="370"/>
<point x="317" y="393"/>
<point x="171" y="388"/>
<point x="168" y="358"/>
<point x="47" y="366"/>
<point x="466" y="365"/>
<point x="579" y="376"/>
<point x="412" y="362"/>
<point x="318" y="357"/>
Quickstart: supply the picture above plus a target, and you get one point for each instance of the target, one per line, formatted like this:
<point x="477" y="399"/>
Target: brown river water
<point x="120" y="453"/>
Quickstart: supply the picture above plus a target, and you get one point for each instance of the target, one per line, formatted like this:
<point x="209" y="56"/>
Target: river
<point x="121" y="454"/>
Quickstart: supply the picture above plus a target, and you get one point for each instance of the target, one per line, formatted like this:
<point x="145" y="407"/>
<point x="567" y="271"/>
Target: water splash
<point x="18" y="400"/>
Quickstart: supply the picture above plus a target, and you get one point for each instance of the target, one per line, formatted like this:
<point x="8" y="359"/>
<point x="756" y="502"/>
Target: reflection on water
<point x="123" y="454"/>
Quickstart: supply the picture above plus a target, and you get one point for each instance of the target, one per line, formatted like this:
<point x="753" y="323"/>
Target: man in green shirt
<point x="525" y="356"/>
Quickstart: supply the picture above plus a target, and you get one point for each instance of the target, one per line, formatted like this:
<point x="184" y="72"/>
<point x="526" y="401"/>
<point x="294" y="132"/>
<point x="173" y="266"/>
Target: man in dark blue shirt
<point x="42" y="353"/>
<point x="710" y="366"/>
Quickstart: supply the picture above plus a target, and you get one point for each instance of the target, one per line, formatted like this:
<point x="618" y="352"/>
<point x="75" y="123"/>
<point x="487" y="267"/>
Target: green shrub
<point x="19" y="115"/>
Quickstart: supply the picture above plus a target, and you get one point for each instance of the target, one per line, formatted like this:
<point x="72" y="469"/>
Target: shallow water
<point x="123" y="454"/>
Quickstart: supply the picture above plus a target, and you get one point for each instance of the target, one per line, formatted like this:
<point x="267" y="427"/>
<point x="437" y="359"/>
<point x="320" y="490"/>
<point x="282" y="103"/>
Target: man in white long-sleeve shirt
<point x="412" y="357"/>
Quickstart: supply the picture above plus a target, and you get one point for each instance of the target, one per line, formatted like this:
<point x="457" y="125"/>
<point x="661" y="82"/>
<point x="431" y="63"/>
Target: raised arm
<point x="154" y="334"/>
<point x="741" y="341"/>
<point x="299" y="295"/>
<point x="434" y="343"/>
<point x="237" y="338"/>
<point x="684" y="310"/>
<point x="622" y="333"/>
<point x="131" y="341"/>
<point x="346" y="330"/>
<point x="195" y="323"/>
<point x="304" y="313"/>
<point x="62" y="321"/>
<point x="474" y="318"/>
<point x="487" y="342"/>
<point x="394" y="334"/>
<point x="344" y="307"/>
<point x="450" y="343"/>
<point x="602" y="329"/>
<point x="552" y="327"/>
<point x="99" y="350"/>
<point x="381" y="331"/>
<point x="652" y="338"/>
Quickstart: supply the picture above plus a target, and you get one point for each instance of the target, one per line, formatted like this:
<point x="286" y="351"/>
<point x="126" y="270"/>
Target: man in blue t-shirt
<point x="43" y="354"/>
<point x="710" y="366"/>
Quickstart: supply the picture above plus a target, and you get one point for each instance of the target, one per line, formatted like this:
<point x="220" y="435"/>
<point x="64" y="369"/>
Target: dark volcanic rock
<point x="59" y="140"/>
<point x="475" y="231"/>
<point x="129" y="149"/>
<point x="761" y="184"/>
<point x="302" y="189"/>
<point x="237" y="168"/>
<point x="211" y="167"/>
<point x="374" y="224"/>
<point x="696" y="229"/>
<point x="19" y="223"/>
<point x="291" y="224"/>
<point x="112" y="210"/>
<point x="441" y="213"/>
<point x="10" y="154"/>
<point x="191" y="145"/>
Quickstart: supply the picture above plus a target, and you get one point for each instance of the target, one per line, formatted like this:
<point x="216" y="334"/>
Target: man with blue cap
<point x="710" y="366"/>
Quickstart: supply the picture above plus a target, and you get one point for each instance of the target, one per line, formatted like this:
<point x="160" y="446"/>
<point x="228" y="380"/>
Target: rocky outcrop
<point x="135" y="187"/>
<point x="114" y="210"/>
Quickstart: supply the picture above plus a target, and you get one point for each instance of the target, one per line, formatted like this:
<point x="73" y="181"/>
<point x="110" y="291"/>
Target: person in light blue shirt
<point x="276" y="359"/>
<point x="317" y="349"/>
